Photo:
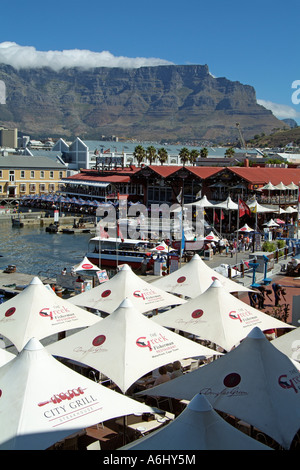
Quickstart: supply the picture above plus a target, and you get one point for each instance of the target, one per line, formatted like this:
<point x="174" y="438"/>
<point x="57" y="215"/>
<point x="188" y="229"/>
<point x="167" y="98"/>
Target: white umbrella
<point x="218" y="316"/>
<point x="210" y="237"/>
<point x="280" y="186"/>
<point x="38" y="312"/>
<point x="125" y="284"/>
<point x="271" y="223"/>
<point x="202" y="203"/>
<point x="227" y="204"/>
<point x="198" y="427"/>
<point x="291" y="210"/>
<point x="289" y="344"/>
<point x="269" y="186"/>
<point x="86" y="265"/>
<point x="163" y="248"/>
<point x="246" y="228"/>
<point x="126" y="345"/>
<point x="254" y="382"/>
<point x="5" y="356"/>
<point x="194" y="278"/>
<point x="292" y="186"/>
<point x="42" y="401"/>
<point x="223" y="269"/>
<point x="258" y="208"/>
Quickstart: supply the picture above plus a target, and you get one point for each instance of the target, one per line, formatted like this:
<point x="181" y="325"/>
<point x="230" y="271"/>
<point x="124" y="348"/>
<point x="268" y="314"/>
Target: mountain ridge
<point x="165" y="102"/>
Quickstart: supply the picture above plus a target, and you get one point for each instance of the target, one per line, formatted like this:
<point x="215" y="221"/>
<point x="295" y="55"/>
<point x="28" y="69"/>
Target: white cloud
<point x="281" y="111"/>
<point x="28" y="57"/>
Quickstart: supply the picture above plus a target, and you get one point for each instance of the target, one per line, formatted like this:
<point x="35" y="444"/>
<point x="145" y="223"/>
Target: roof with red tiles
<point x="262" y="176"/>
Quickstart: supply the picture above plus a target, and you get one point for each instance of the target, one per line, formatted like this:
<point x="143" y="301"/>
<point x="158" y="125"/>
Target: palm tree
<point x="184" y="155"/>
<point x="194" y="155"/>
<point x="162" y="155"/>
<point x="139" y="153"/>
<point x="229" y="152"/>
<point x="204" y="152"/>
<point x="151" y="154"/>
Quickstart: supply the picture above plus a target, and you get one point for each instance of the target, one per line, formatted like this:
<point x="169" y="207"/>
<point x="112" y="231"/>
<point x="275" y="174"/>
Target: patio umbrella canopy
<point x="194" y="278"/>
<point x="38" y="312"/>
<point x="125" y="284"/>
<point x="5" y="357"/>
<point x="198" y="427"/>
<point x="42" y="401"/>
<point x="126" y="345"/>
<point x="254" y="382"/>
<point x="289" y="344"/>
<point x="227" y="204"/>
<point x="246" y="228"/>
<point x="219" y="317"/>
<point x="86" y="265"/>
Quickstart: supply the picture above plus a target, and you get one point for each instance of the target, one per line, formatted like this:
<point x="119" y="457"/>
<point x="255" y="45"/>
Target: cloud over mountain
<point x="281" y="111"/>
<point x="28" y="57"/>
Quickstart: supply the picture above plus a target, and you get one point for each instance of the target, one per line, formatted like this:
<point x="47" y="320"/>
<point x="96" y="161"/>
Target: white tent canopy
<point x="292" y="186"/>
<point x="86" y="265"/>
<point x="202" y="203"/>
<point x="289" y="344"/>
<point x="210" y="237"/>
<point x="269" y="186"/>
<point x="5" y="357"/>
<point x="281" y="186"/>
<point x="198" y="427"/>
<point x="42" y="401"/>
<point x="254" y="382"/>
<point x="219" y="317"/>
<point x="246" y="228"/>
<point x="291" y="210"/>
<point x="38" y="312"/>
<point x="258" y="208"/>
<point x="125" y="284"/>
<point x="126" y="345"/>
<point x="228" y="204"/>
<point x="162" y="248"/>
<point x="194" y="278"/>
<point x="271" y="223"/>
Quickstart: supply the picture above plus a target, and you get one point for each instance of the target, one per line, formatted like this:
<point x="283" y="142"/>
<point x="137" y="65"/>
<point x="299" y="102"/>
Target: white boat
<point x="117" y="251"/>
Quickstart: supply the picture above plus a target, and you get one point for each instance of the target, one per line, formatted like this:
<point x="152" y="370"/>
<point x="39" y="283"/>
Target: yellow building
<point x="22" y="175"/>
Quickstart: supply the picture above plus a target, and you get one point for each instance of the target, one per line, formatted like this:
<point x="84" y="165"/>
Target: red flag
<point x="216" y="218"/>
<point x="243" y="208"/>
<point x="222" y="215"/>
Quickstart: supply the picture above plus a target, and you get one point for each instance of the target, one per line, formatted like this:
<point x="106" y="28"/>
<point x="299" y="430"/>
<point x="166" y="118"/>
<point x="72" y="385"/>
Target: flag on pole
<point x="179" y="197"/>
<point x="243" y="208"/>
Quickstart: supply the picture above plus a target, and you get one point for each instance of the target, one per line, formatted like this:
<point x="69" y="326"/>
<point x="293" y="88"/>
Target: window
<point x="1" y="189"/>
<point x="32" y="188"/>
<point x="11" y="175"/>
<point x="32" y="174"/>
<point x="22" y="188"/>
<point x="51" y="188"/>
<point x="42" y="188"/>
<point x="61" y="175"/>
<point x="42" y="174"/>
<point x="0" y="173"/>
<point x="22" y="174"/>
<point x="51" y="174"/>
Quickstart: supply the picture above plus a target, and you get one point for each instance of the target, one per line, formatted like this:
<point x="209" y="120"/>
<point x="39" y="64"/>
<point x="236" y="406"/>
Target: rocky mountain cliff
<point x="149" y="103"/>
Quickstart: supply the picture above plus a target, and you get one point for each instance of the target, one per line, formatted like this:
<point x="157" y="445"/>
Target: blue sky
<point x="255" y="43"/>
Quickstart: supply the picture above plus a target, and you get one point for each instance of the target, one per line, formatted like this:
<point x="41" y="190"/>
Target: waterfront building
<point x="23" y="175"/>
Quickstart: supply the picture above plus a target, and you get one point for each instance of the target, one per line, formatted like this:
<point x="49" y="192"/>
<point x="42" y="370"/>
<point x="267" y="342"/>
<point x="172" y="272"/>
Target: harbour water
<point x="35" y="251"/>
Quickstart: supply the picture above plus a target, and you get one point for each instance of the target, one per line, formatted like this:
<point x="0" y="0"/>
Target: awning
<point x="99" y="184"/>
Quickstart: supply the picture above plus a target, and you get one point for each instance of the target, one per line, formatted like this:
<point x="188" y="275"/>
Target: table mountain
<point x="169" y="102"/>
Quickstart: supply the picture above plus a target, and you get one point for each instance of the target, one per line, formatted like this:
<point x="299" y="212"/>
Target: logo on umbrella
<point x="45" y="312"/>
<point x="293" y="383"/>
<point x="139" y="294"/>
<point x="181" y="279"/>
<point x="87" y="266"/>
<point x="197" y="313"/>
<point x="143" y="344"/>
<point x="232" y="380"/>
<point x="10" y="312"/>
<point x="106" y="293"/>
<point x="99" y="340"/>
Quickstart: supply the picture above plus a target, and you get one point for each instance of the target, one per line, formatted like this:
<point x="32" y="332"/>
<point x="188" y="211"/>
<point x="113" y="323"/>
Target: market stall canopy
<point x="198" y="427"/>
<point x="246" y="228"/>
<point x="228" y="204"/>
<point x="202" y="203"/>
<point x="38" y="312"/>
<point x="125" y="284"/>
<point x="126" y="345"/>
<point x="289" y="344"/>
<point x="210" y="237"/>
<point x="162" y="248"/>
<point x="291" y="210"/>
<point x="271" y="223"/>
<point x="281" y="186"/>
<point x="292" y="186"/>
<point x="86" y="265"/>
<point x="219" y="317"/>
<point x="194" y="278"/>
<point x="254" y="382"/>
<point x="43" y="401"/>
<point x="258" y="208"/>
<point x="269" y="186"/>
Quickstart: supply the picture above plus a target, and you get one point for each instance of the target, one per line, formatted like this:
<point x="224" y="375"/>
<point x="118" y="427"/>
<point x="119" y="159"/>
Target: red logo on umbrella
<point x="197" y="313"/>
<point x="10" y="312"/>
<point x="45" y="312"/>
<point x="181" y="279"/>
<point x="87" y="266"/>
<point x="106" y="293"/>
<point x="99" y="340"/>
<point x="232" y="380"/>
